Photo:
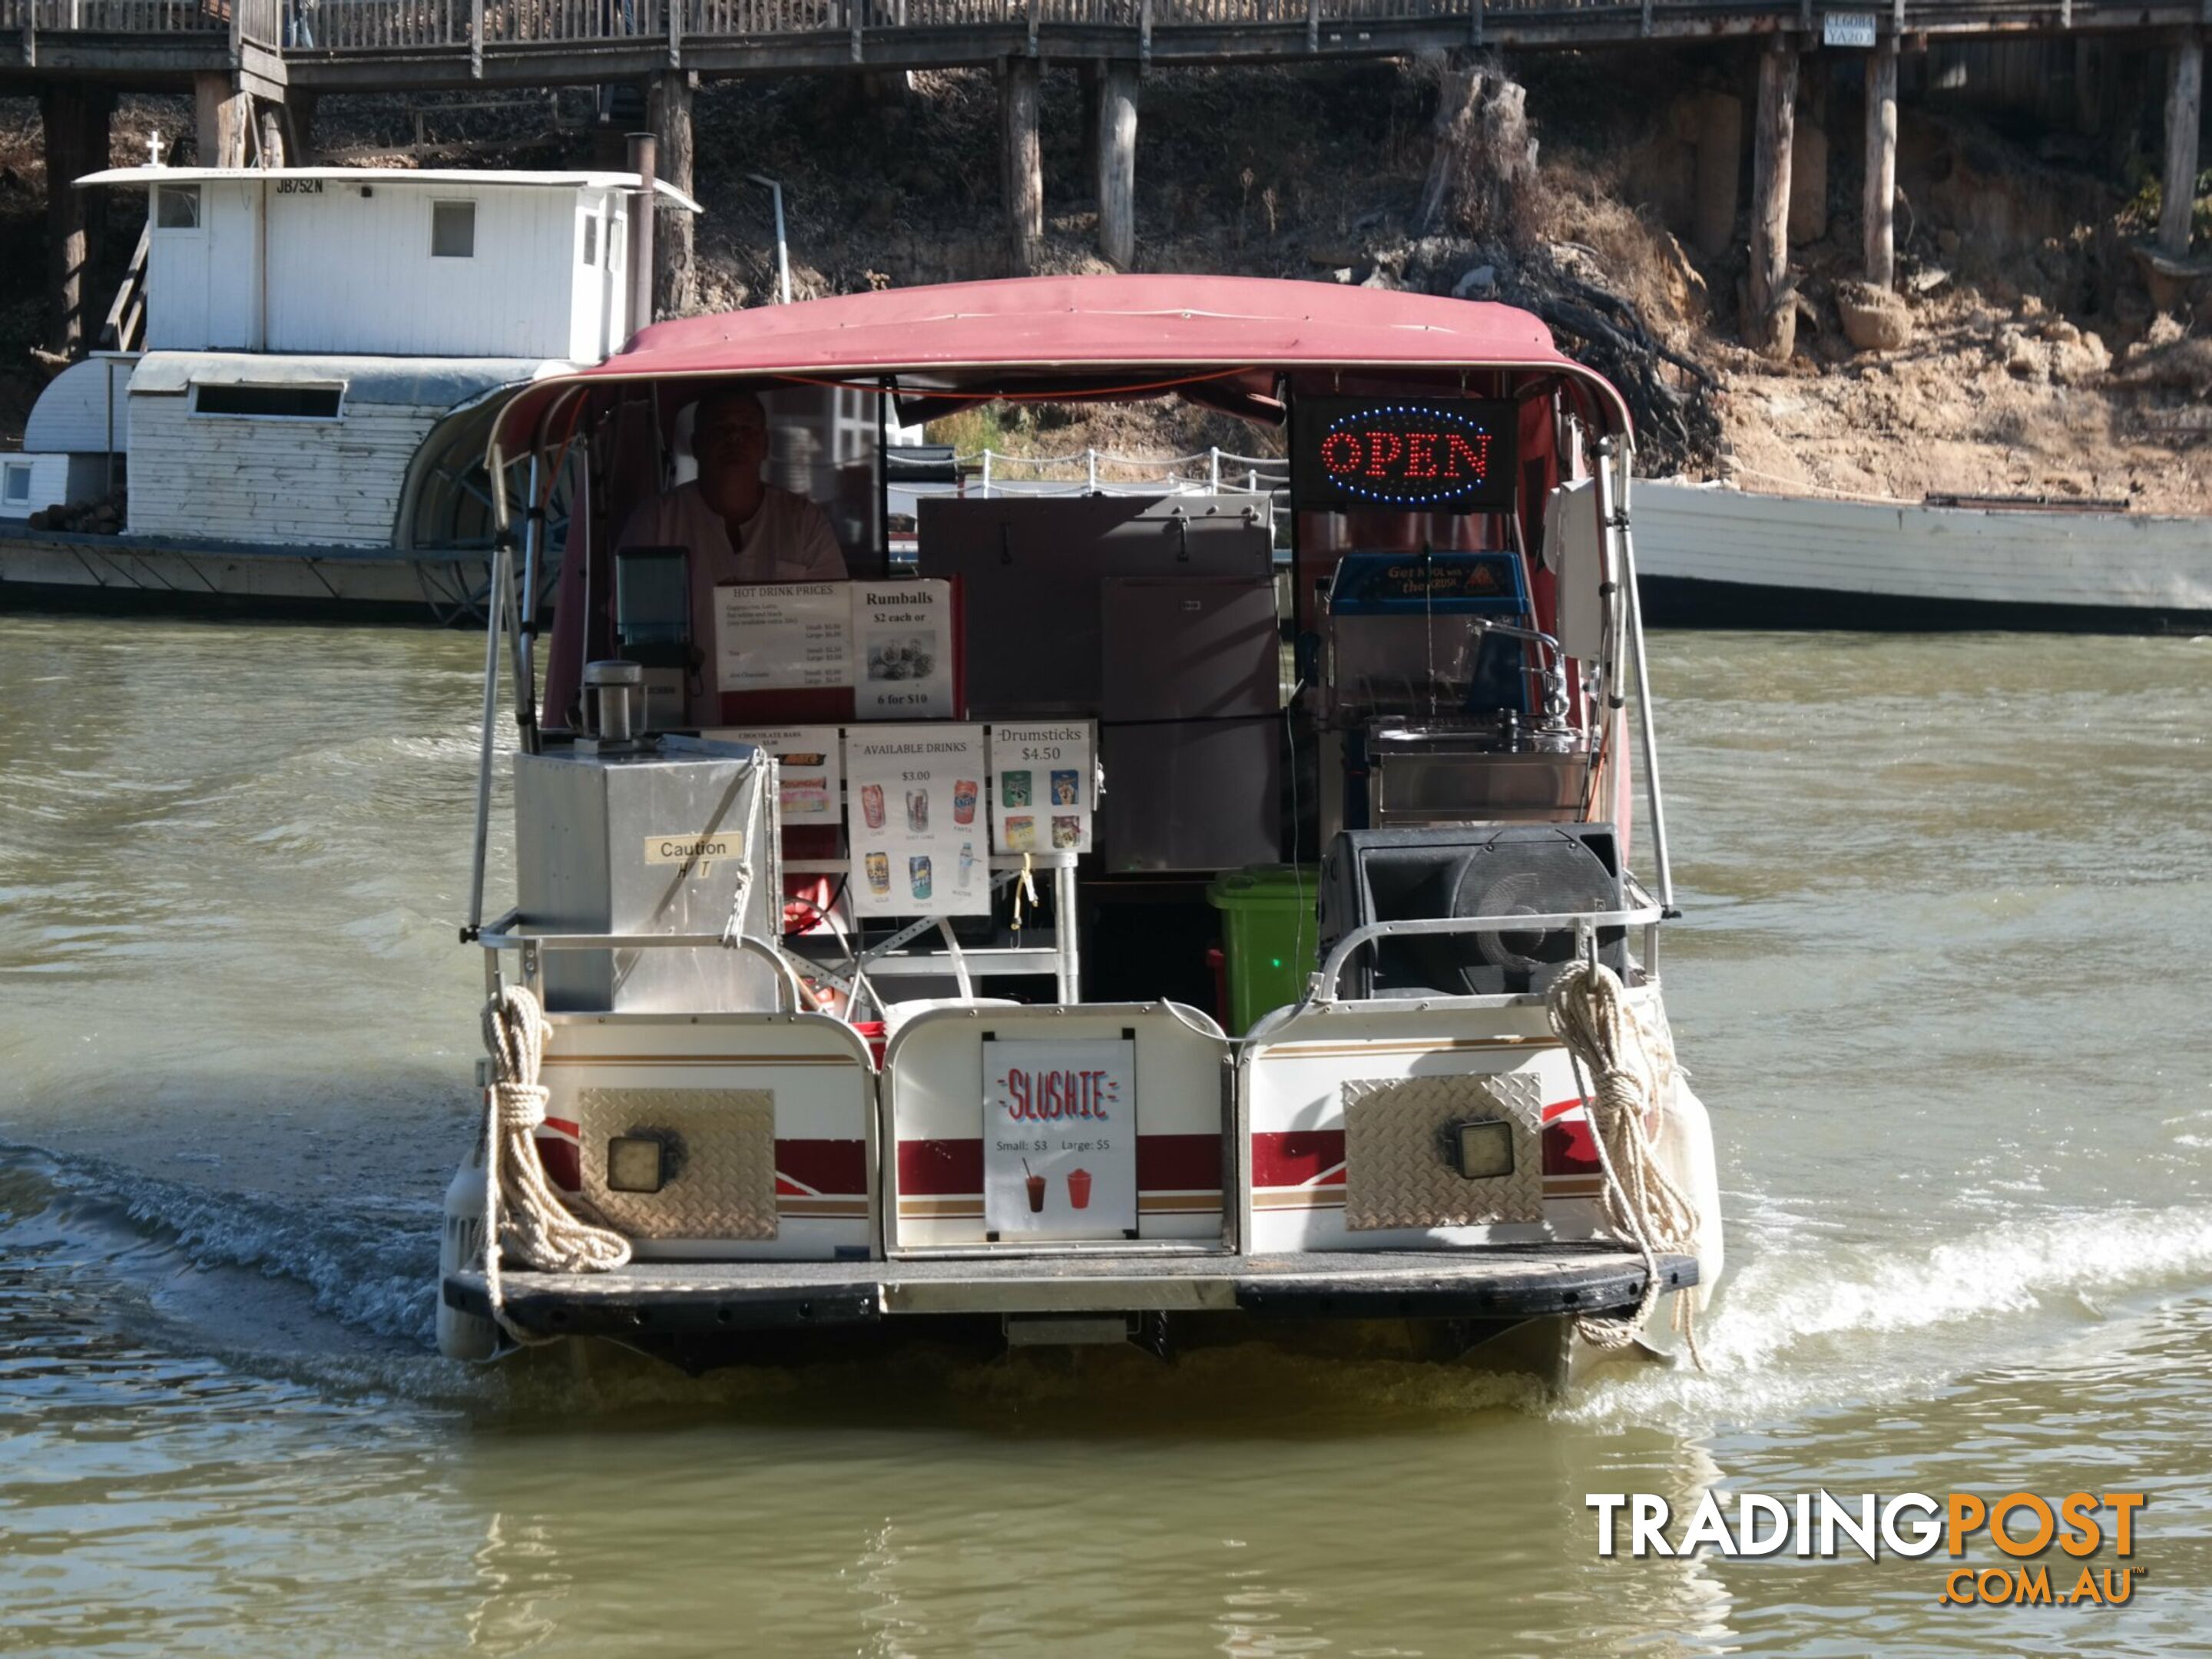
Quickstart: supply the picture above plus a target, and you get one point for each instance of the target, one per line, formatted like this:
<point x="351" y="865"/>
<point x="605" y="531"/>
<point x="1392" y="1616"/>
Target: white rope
<point x="523" y="1212"/>
<point x="1629" y="1065"/>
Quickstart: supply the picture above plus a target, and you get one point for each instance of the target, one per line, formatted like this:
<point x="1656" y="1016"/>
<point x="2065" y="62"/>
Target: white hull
<point x="41" y="568"/>
<point x="1709" y="554"/>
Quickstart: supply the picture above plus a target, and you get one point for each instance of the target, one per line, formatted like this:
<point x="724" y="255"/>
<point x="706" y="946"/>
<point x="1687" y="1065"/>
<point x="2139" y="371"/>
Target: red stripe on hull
<point x="1568" y="1149"/>
<point x="563" y="1167"/>
<point x="1179" y="1164"/>
<point x="946" y="1168"/>
<point x="830" y="1167"/>
<point x="1296" y="1158"/>
<point x="930" y="1168"/>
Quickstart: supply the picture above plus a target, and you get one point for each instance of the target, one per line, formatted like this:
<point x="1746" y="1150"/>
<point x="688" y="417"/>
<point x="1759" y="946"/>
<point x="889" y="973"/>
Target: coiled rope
<point x="1625" y="1069"/>
<point x="523" y="1213"/>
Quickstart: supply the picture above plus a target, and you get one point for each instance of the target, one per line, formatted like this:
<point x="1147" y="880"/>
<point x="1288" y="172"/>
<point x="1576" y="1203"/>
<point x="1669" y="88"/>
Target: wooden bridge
<point x="246" y="58"/>
<point x="416" y="45"/>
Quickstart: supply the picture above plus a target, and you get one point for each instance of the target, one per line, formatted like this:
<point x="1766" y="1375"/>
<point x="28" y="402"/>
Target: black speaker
<point x="1460" y="870"/>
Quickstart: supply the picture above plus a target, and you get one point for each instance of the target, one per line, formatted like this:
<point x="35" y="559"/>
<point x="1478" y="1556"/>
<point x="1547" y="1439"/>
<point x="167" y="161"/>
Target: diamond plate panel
<point x="718" y="1160"/>
<point x="1394" y="1173"/>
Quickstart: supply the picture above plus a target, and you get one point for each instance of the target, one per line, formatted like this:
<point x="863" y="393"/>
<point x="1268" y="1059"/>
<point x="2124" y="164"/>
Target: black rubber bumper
<point x="692" y="1298"/>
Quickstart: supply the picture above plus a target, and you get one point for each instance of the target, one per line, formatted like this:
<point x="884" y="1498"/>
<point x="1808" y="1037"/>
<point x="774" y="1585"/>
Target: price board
<point x="1059" y="1138"/>
<point x="1043" y="784"/>
<point x="781" y="637"/>
<point x="917" y="838"/>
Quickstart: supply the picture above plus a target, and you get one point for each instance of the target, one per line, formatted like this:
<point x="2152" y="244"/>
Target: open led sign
<point x="1418" y="454"/>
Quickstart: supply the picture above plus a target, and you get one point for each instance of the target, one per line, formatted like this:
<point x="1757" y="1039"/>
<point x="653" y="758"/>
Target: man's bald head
<point x="727" y="404"/>
<point x="729" y="439"/>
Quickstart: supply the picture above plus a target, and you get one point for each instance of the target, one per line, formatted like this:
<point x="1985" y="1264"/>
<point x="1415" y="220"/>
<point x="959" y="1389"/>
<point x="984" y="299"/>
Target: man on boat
<point x="738" y="528"/>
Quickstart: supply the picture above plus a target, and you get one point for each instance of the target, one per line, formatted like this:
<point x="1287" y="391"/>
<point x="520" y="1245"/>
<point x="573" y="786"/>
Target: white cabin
<point x="319" y="344"/>
<point x="377" y="261"/>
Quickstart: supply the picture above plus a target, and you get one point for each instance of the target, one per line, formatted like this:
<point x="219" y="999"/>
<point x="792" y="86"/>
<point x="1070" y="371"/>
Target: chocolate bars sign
<point x="1059" y="1138"/>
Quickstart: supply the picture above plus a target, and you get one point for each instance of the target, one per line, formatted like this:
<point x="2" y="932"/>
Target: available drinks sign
<point x="1059" y="1138"/>
<point x="914" y="819"/>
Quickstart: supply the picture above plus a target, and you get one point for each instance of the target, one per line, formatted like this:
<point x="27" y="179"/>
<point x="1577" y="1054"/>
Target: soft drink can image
<point x="963" y="799"/>
<point x="872" y="804"/>
<point x="879" y="874"/>
<point x="917" y="811"/>
<point x="917" y="875"/>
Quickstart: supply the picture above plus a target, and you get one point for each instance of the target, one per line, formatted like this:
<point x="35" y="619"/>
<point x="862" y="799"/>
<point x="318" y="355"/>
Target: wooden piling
<point x="1117" y="164"/>
<point x="1879" y="207"/>
<point x="674" y="266"/>
<point x="1025" y="163"/>
<point x="223" y="114"/>
<point x="1770" y="324"/>
<point x="2185" y="109"/>
<point x="75" y="120"/>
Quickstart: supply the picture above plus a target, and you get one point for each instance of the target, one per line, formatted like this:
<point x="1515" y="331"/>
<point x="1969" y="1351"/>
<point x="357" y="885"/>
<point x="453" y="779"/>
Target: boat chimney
<point x="613" y="691"/>
<point x="644" y="158"/>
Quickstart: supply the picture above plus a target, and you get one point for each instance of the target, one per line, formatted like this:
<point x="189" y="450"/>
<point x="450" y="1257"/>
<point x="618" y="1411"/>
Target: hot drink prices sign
<point x="914" y="821"/>
<point x="891" y="643"/>
<point x="1059" y="1138"/>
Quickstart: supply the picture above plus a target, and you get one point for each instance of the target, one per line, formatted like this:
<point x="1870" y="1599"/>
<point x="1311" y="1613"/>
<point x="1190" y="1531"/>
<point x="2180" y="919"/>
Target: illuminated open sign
<point x="1417" y="454"/>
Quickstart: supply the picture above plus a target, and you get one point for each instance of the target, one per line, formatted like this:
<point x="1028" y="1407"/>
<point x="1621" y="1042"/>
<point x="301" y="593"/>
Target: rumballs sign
<point x="1059" y="1138"/>
<point x="1412" y="454"/>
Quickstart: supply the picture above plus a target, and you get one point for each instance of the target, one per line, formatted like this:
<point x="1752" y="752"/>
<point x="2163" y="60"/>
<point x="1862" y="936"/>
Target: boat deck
<point x="1491" y="1282"/>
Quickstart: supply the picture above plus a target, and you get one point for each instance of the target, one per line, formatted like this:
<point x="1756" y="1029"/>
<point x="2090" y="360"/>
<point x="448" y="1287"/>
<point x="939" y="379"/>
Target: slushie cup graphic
<point x="872" y="804"/>
<point x="963" y="799"/>
<point x="1035" y="1184"/>
<point x="1079" y="1188"/>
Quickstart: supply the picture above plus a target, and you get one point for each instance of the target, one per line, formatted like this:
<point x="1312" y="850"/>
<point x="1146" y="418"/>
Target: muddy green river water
<point x="1942" y="981"/>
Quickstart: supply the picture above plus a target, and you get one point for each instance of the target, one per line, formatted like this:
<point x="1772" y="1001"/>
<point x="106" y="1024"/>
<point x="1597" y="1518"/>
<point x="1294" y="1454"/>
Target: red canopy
<point x="1145" y="329"/>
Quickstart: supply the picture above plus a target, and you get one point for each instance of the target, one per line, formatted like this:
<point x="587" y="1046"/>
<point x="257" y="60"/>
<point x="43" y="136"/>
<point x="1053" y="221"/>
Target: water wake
<point x="1810" y="1321"/>
<point x="370" y="1266"/>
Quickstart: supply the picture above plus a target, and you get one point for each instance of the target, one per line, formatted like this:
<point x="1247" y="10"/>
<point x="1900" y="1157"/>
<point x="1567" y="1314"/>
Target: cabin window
<point x="278" y="403"/>
<point x="452" y="230"/>
<point x="18" y="487"/>
<point x="590" y="239"/>
<point x="177" y="207"/>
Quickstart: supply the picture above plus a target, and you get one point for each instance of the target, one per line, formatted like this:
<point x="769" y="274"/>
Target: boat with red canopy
<point x="1107" y="915"/>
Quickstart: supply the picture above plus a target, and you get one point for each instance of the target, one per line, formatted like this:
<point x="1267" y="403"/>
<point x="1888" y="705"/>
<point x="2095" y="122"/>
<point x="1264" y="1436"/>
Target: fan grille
<point x="1518" y="878"/>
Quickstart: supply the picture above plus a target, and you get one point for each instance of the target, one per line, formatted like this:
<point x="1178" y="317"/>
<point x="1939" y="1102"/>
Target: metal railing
<point x="117" y="16"/>
<point x="1102" y="472"/>
<point x="377" y="25"/>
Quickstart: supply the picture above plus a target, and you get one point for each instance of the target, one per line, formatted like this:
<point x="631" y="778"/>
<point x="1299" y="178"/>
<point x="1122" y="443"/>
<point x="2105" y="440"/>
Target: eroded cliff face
<point x="2029" y="348"/>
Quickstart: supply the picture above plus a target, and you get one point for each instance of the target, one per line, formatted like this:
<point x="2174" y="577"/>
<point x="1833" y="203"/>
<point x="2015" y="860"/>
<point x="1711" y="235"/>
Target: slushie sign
<point x="1427" y="454"/>
<point x="1059" y="1138"/>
